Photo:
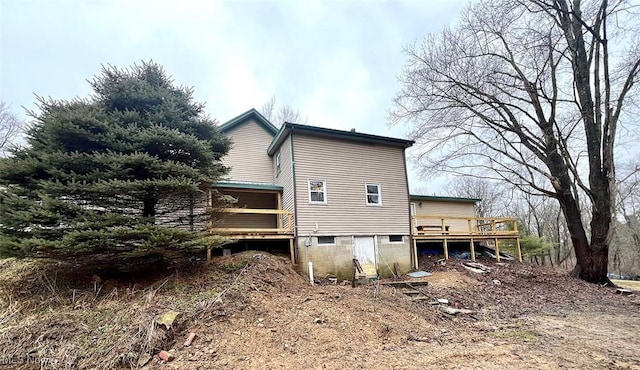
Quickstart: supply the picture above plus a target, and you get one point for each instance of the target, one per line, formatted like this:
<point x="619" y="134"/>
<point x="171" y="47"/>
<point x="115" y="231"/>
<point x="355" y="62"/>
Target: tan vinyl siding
<point x="445" y="209"/>
<point x="346" y="166"/>
<point x="248" y="157"/>
<point x="285" y="178"/>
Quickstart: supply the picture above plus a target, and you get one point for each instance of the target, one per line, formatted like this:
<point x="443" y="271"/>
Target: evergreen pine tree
<point x="109" y="176"/>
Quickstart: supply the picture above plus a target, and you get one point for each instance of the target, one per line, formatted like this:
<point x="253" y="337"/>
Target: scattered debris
<point x="408" y="283"/>
<point x="190" y="339"/>
<point x="319" y="320"/>
<point x="144" y="359"/>
<point x="476" y="267"/>
<point x="166" y="356"/>
<point x="624" y="291"/>
<point x="443" y="301"/>
<point x="168" y="319"/>
<point x="492" y="253"/>
<point x="419" y="274"/>
<point x="497" y="282"/>
<point x="455" y="311"/>
<point x="333" y="280"/>
<point x="460" y="255"/>
<point x="412" y="338"/>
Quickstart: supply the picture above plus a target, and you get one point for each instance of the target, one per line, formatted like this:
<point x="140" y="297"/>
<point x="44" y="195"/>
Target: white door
<point x="364" y="250"/>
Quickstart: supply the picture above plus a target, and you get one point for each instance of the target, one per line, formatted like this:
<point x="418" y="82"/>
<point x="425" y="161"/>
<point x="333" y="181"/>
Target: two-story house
<point x="333" y="195"/>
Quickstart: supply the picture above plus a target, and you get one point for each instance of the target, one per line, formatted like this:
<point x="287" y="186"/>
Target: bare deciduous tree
<point x="490" y="193"/>
<point x="10" y="128"/>
<point x="531" y="92"/>
<point x="282" y="114"/>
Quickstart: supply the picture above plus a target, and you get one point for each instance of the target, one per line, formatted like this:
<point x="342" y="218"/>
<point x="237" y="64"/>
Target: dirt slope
<point x="252" y="311"/>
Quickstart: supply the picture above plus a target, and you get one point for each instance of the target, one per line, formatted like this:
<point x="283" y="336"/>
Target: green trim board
<point x="247" y="185"/>
<point x="444" y="199"/>
<point x="329" y="132"/>
<point x="251" y="113"/>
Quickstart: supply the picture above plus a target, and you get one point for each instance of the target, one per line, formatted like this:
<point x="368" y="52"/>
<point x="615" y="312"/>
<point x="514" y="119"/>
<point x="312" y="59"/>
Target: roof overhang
<point x="444" y="199"/>
<point x="250" y="114"/>
<point x="288" y="127"/>
<point x="247" y="186"/>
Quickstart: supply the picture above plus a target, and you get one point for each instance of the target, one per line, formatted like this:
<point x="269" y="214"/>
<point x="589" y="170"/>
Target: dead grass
<point x="628" y="284"/>
<point x="62" y="323"/>
<point x="253" y="311"/>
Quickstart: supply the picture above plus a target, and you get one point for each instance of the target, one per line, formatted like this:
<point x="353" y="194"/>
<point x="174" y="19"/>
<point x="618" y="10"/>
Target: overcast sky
<point x="336" y="62"/>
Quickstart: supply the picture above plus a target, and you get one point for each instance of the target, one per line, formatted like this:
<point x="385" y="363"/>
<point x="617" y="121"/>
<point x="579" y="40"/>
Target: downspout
<point x="412" y="246"/>
<point x="295" y="195"/>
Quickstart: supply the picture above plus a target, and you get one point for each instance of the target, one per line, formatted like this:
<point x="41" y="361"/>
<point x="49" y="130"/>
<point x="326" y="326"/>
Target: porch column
<point x="446" y="249"/>
<point x="279" y="216"/>
<point x="292" y="252"/>
<point x="473" y="250"/>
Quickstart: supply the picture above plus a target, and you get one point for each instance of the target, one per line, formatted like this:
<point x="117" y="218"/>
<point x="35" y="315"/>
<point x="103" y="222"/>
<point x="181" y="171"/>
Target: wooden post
<point x="292" y="252"/>
<point x="446" y="249"/>
<point x="473" y="250"/>
<point x="442" y="227"/>
<point x="208" y="254"/>
<point x="497" y="250"/>
<point x="279" y="206"/>
<point x="415" y="254"/>
<point x="518" y="249"/>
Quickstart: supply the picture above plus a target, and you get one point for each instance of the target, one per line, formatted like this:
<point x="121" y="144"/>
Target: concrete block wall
<point x="337" y="259"/>
<point x="390" y="252"/>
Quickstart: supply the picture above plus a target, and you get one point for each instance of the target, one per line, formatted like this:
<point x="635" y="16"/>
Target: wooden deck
<point x="283" y="227"/>
<point x="472" y="229"/>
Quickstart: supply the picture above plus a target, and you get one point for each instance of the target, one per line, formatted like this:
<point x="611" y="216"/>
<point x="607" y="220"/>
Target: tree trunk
<point x="149" y="208"/>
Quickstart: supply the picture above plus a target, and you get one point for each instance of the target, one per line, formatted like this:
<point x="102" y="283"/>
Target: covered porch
<point x="256" y="215"/>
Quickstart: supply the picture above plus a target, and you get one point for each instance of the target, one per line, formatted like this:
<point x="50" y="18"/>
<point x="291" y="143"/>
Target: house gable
<point x="251" y="114"/>
<point x="250" y="134"/>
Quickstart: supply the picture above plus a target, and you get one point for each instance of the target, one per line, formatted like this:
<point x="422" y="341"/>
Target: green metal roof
<point x="251" y="113"/>
<point x="247" y="185"/>
<point x="444" y="199"/>
<point x="288" y="127"/>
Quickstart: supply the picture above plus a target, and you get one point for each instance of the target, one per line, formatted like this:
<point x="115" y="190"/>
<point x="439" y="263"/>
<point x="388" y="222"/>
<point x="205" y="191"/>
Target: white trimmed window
<point x="276" y="163"/>
<point x="373" y="194"/>
<point x="317" y="191"/>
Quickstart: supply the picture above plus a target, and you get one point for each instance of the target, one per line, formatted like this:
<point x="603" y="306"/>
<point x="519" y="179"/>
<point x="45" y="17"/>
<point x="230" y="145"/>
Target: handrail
<point x="283" y="224"/>
<point x="461" y="226"/>
<point x="257" y="211"/>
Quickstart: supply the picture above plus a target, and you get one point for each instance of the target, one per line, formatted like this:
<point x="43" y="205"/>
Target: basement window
<point x="396" y="238"/>
<point x="326" y="240"/>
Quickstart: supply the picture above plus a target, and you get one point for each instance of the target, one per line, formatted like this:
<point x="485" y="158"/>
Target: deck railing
<point x="463" y="226"/>
<point x="283" y="224"/>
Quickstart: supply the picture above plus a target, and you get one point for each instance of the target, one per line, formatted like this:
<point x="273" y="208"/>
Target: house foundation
<point x="336" y="259"/>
